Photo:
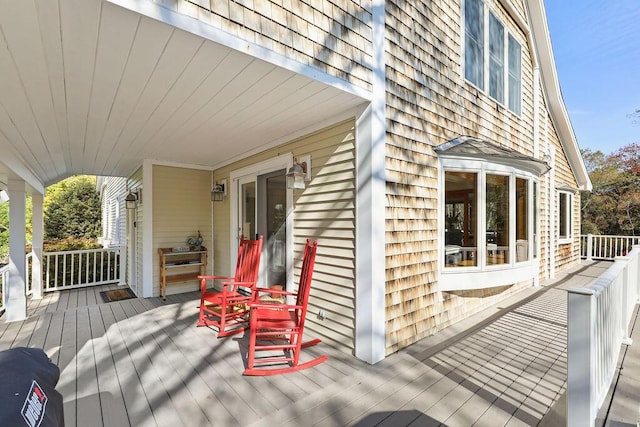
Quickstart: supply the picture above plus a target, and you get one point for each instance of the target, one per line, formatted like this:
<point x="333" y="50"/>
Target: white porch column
<point x="37" y="232"/>
<point x="553" y="238"/>
<point x="16" y="298"/>
<point x="370" y="202"/>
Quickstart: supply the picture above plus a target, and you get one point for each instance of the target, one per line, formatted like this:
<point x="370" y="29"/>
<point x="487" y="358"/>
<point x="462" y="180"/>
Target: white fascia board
<point x="553" y="94"/>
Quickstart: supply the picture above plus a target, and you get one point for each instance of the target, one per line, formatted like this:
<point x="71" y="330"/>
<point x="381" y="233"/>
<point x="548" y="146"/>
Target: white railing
<point x="29" y="273"/>
<point x="68" y="270"/>
<point x="76" y="269"/>
<point x="606" y="247"/>
<point x="598" y="324"/>
<point x="4" y="278"/>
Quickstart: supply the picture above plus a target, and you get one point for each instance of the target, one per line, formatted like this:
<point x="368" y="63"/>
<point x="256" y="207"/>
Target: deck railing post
<point x="636" y="276"/>
<point x="589" y="247"/>
<point x="581" y="358"/>
<point x="624" y="315"/>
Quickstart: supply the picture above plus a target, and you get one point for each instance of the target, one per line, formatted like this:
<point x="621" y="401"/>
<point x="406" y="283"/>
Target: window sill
<point x="565" y="241"/>
<point x="463" y="279"/>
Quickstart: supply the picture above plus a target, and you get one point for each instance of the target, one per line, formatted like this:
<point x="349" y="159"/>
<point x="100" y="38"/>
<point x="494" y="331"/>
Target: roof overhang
<point x="475" y="148"/>
<point x="98" y="87"/>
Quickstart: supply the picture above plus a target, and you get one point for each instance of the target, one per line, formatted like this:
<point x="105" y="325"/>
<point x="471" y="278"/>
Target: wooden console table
<point x="179" y="266"/>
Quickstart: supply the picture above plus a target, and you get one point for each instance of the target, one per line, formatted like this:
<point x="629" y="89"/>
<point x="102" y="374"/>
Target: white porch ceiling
<point x="88" y="87"/>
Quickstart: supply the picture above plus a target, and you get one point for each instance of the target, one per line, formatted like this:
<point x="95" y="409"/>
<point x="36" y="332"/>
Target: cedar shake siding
<point x="331" y="35"/>
<point x="428" y="103"/>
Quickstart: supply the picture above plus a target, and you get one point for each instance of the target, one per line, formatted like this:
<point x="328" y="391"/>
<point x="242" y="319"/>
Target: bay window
<point x="488" y="220"/>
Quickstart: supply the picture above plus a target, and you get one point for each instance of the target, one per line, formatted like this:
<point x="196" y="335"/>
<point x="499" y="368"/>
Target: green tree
<point x="72" y="209"/>
<point x="613" y="207"/>
<point x="4" y="232"/>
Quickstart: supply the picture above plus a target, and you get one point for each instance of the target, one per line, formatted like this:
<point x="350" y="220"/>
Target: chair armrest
<point x="275" y="291"/>
<point x="255" y="305"/>
<point x="215" y="277"/>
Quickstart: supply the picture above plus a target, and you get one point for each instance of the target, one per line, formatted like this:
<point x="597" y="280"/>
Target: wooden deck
<point x="142" y="362"/>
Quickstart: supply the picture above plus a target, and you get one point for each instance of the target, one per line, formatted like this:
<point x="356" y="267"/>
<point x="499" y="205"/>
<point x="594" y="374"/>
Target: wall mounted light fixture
<point x="218" y="191"/>
<point x="299" y="173"/>
<point x="131" y="200"/>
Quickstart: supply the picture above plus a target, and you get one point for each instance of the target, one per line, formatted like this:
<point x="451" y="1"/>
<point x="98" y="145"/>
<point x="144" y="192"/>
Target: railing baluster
<point x="57" y="268"/>
<point x="73" y="270"/>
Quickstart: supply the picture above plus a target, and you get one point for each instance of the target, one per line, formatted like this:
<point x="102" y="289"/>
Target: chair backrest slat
<point x="306" y="273"/>
<point x="248" y="263"/>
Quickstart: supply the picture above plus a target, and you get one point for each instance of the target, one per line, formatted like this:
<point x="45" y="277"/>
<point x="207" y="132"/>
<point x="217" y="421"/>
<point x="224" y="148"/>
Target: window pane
<point x="460" y="219"/>
<point x="496" y="59"/>
<point x="514" y="75"/>
<point x="474" y="42"/>
<point x="563" y="211"/>
<point x="522" y="215"/>
<point x="497" y="205"/>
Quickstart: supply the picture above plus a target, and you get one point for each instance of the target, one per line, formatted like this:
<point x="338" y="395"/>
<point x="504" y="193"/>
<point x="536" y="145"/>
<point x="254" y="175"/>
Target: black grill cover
<point x="27" y="389"/>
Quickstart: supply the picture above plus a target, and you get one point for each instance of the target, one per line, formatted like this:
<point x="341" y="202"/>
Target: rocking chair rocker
<point x="278" y="328"/>
<point x="227" y="309"/>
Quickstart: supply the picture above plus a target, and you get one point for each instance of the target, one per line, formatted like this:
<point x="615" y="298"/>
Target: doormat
<point x="117" y="295"/>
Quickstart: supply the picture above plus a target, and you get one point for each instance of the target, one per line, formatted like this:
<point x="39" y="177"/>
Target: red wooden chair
<point x="278" y="329"/>
<point x="227" y="309"/>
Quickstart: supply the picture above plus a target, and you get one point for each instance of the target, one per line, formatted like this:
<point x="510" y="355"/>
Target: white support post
<point x="589" y="247"/>
<point x="16" y="298"/>
<point x="37" y="232"/>
<point x="580" y="358"/>
<point x="553" y="238"/>
<point x="370" y="200"/>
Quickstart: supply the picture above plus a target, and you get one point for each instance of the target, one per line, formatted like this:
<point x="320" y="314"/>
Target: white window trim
<point x="482" y="275"/>
<point x="563" y="240"/>
<point x="486" y="60"/>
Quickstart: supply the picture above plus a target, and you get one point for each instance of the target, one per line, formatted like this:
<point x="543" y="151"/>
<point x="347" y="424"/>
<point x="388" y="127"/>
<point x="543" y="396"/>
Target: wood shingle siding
<point x="331" y="35"/>
<point x="428" y="103"/>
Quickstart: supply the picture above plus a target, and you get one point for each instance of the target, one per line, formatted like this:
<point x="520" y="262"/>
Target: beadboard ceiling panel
<point x="89" y="87"/>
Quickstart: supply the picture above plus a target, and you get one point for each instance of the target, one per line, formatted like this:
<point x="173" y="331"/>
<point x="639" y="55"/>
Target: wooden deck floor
<point x="142" y="362"/>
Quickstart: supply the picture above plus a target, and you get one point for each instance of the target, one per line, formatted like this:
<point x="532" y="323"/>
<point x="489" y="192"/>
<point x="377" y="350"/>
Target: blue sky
<point x="596" y="44"/>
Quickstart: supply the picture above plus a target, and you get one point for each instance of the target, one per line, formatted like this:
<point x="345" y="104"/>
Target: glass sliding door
<point x="272" y="215"/>
<point x="262" y="201"/>
<point x="247" y="209"/>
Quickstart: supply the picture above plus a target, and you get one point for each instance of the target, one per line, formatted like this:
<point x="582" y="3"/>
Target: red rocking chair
<point x="278" y="329"/>
<point x="227" y="309"/>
